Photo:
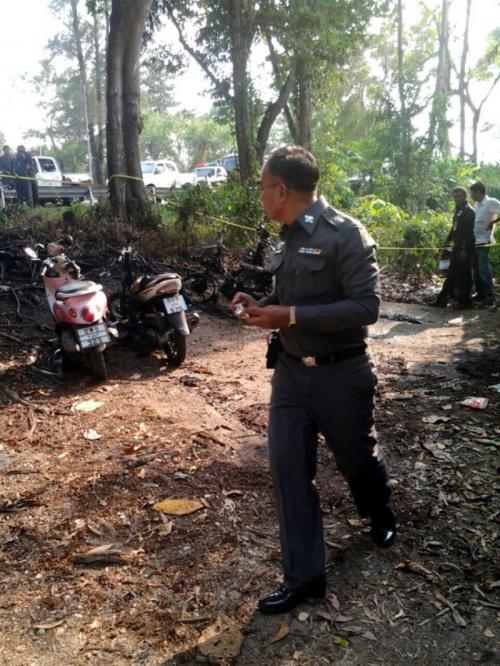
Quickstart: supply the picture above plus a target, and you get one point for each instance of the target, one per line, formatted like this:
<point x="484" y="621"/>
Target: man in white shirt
<point x="487" y="210"/>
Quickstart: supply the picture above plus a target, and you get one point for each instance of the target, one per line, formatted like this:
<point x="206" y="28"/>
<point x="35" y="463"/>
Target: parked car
<point x="77" y="178"/>
<point x="211" y="174"/>
<point x="164" y="173"/>
<point x="49" y="172"/>
<point x="230" y="163"/>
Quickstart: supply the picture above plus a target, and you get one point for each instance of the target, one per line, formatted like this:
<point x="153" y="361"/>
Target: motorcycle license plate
<point x="93" y="336"/>
<point x="174" y="304"/>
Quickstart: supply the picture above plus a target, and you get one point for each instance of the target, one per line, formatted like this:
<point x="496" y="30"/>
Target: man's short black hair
<point x="478" y="186"/>
<point x="5" y="148"/>
<point x="295" y="166"/>
<point x="459" y="190"/>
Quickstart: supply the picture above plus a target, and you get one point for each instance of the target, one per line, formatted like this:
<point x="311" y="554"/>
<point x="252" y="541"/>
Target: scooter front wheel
<point x="97" y="363"/>
<point x="175" y="348"/>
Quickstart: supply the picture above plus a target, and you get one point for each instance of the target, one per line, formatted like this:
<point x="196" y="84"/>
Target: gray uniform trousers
<point x="336" y="400"/>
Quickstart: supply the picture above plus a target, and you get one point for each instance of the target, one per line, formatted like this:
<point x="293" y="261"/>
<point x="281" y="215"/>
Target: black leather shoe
<point x="438" y="303"/>
<point x="284" y="599"/>
<point x="383" y="537"/>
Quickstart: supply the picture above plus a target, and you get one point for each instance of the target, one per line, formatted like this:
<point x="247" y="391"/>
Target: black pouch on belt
<point x="274" y="347"/>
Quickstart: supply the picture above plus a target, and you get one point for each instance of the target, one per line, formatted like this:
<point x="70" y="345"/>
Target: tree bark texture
<point x="89" y="116"/>
<point x="403" y="161"/>
<point x="242" y="33"/>
<point x="100" y="112"/>
<point x="438" y="124"/>
<point x="462" y="87"/>
<point x="127" y="21"/>
<point x="304" y="106"/>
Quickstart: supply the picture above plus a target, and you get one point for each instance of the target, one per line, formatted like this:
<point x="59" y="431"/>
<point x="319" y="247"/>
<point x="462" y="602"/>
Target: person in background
<point x="23" y="167"/>
<point x="32" y="170"/>
<point x="325" y="296"/>
<point x="7" y="165"/>
<point x="487" y="210"/>
<point x="459" y="278"/>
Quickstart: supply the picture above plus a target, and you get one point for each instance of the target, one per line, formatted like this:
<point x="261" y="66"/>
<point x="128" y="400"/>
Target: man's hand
<point x="268" y="316"/>
<point x="245" y="300"/>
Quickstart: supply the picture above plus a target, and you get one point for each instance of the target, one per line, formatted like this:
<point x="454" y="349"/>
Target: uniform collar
<point x="310" y="216"/>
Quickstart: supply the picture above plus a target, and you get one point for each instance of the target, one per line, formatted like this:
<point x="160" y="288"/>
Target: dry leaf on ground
<point x="106" y="554"/>
<point x="282" y="631"/>
<point x="222" y="640"/>
<point x="415" y="567"/>
<point x="87" y="406"/>
<point x="178" y="507"/>
<point x="91" y="434"/>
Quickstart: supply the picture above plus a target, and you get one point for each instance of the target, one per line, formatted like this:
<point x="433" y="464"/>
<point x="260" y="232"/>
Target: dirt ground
<point x="181" y="589"/>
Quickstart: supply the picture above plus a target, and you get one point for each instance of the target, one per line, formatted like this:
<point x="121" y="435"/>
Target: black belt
<point x="325" y="359"/>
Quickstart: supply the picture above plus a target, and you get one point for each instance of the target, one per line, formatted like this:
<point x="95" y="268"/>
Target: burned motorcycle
<point x="149" y="311"/>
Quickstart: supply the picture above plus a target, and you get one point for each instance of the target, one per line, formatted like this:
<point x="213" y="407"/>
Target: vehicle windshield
<point x="147" y="167"/>
<point x="47" y="165"/>
<point x="207" y="171"/>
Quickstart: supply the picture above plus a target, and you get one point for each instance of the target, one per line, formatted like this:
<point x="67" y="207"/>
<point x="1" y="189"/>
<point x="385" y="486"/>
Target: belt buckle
<point x="310" y="361"/>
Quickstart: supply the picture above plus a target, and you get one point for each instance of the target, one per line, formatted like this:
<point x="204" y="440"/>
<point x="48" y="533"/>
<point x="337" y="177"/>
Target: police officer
<point x="325" y="296"/>
<point x="459" y="276"/>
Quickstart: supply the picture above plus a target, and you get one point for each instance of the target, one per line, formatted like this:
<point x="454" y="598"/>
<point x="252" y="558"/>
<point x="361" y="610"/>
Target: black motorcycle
<point x="150" y="311"/>
<point x="202" y="285"/>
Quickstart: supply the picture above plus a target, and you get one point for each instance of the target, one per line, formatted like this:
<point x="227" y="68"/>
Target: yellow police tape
<point x="222" y="220"/>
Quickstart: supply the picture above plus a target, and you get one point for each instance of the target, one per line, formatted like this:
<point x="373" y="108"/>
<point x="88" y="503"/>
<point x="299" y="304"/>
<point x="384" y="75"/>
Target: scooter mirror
<point x="54" y="249"/>
<point x="30" y="252"/>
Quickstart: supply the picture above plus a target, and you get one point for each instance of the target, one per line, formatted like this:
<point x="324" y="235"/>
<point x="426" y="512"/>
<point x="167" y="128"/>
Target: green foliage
<point x="392" y="227"/>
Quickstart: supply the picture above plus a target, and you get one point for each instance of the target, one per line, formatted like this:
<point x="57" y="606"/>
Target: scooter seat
<point x="80" y="288"/>
<point x="150" y="281"/>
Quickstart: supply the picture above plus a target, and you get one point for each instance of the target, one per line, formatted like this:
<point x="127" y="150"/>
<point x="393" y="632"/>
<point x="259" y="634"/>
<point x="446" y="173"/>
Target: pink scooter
<point x="78" y="307"/>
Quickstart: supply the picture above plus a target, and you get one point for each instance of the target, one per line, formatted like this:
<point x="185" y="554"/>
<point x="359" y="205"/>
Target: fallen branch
<point x="16" y="398"/>
<point x="11" y="337"/>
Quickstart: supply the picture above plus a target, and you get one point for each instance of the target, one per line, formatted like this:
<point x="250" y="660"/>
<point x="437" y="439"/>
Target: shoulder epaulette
<point x="331" y="216"/>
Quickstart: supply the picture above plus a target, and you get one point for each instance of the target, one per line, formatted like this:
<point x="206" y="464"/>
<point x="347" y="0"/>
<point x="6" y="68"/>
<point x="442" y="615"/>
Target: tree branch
<point x="272" y="112"/>
<point x="198" y="57"/>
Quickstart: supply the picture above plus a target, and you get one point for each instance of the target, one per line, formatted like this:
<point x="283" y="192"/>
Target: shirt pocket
<point x="276" y="262"/>
<point x="310" y="278"/>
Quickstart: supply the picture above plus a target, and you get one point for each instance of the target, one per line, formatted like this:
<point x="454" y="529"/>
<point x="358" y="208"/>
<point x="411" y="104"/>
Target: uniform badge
<point x="310" y="250"/>
<point x="309" y="219"/>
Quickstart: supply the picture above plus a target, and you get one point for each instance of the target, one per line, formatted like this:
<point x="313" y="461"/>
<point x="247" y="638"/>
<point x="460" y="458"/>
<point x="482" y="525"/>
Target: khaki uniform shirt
<point x="325" y="265"/>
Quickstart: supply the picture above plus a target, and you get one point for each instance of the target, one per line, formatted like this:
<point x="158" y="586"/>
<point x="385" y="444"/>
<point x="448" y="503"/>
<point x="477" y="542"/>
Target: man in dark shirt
<point x="325" y="295"/>
<point x="459" y="278"/>
<point x="23" y="166"/>
<point x="7" y="165"/>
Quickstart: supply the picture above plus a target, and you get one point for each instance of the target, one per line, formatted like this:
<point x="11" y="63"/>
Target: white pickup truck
<point x="164" y="173"/>
<point x="48" y="171"/>
<point x="211" y="175"/>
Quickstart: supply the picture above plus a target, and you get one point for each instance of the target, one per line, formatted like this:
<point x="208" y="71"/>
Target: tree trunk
<point x="242" y="33"/>
<point x="438" y="123"/>
<point x="89" y="121"/>
<point x="304" y="106"/>
<point x="476" y="114"/>
<point x="127" y="195"/>
<point x="404" y="138"/>
<point x="462" y="92"/>
<point x="272" y="112"/>
<point x="100" y="112"/>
